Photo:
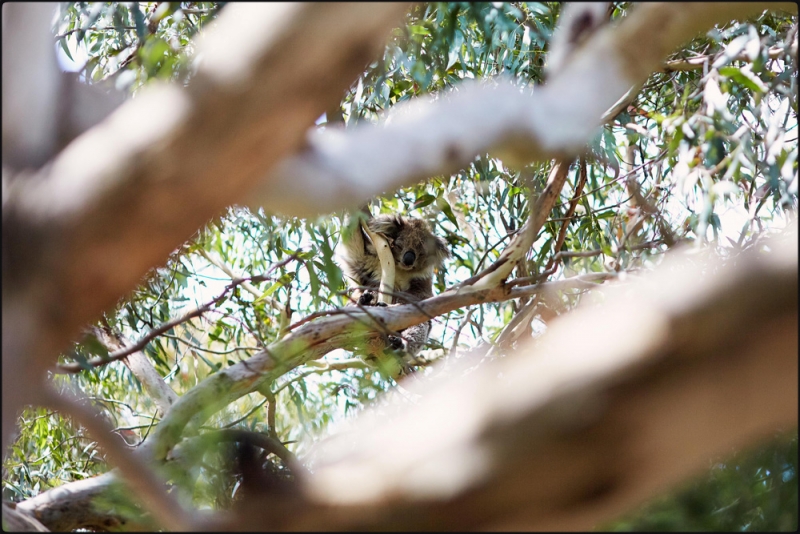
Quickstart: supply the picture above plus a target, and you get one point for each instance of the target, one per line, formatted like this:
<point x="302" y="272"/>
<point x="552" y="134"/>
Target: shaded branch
<point x="268" y="443"/>
<point x="69" y="506"/>
<point x="142" y="368"/>
<point x="150" y="490"/>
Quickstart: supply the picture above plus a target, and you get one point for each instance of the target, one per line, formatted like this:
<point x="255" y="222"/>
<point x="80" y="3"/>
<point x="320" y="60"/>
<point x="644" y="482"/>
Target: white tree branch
<point x="142" y="368"/>
<point x="121" y="197"/>
<point x="440" y="134"/>
<point x="69" y="506"/>
<point x="521" y="243"/>
<point x="312" y="341"/>
<point x="576" y="23"/>
<point x="31" y="84"/>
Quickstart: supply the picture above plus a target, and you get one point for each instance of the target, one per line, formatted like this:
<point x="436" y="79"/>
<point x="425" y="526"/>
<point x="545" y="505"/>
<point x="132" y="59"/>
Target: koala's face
<point x="414" y="247"/>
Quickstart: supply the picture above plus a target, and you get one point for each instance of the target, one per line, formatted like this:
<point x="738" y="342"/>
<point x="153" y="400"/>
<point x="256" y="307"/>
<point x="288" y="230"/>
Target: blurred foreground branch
<point x="615" y="403"/>
<point x="83" y="230"/>
<point x="437" y="134"/>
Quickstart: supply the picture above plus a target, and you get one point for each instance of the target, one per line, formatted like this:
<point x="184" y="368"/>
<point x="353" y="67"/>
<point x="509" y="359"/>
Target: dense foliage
<point x="712" y="148"/>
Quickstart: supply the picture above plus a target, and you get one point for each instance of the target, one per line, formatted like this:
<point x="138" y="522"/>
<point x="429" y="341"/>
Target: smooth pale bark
<point x="441" y="134"/>
<point x="120" y="198"/>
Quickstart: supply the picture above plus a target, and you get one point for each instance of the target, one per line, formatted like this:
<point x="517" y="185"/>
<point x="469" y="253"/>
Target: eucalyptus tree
<point x="700" y="157"/>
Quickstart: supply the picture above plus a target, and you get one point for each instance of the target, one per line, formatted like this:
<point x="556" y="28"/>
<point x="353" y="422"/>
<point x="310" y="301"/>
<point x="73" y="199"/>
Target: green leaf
<point x="418" y="29"/>
<point x="154" y="52"/>
<point x="332" y="271"/>
<point x="283" y="281"/>
<point x="744" y="77"/>
<point x="313" y="279"/>
<point x="423" y="201"/>
<point x="138" y="17"/>
<point x="91" y="64"/>
<point x="448" y="212"/>
<point x="65" y="48"/>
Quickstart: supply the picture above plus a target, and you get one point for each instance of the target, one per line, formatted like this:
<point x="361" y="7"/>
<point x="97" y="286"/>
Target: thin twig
<point x="461" y="326"/>
<point x="488" y="250"/>
<point x="248" y="287"/>
<point x="515" y="252"/>
<point x="579" y="253"/>
<point x="338" y="311"/>
<point x="139" y="345"/>
<point x="330" y="366"/>
<point x="697" y="63"/>
<point x="102" y="29"/>
<point x="634" y="170"/>
<point x="562" y="233"/>
<point x="197" y="347"/>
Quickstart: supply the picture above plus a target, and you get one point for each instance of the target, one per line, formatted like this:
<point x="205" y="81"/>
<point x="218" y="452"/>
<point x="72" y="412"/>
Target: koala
<point x="416" y="253"/>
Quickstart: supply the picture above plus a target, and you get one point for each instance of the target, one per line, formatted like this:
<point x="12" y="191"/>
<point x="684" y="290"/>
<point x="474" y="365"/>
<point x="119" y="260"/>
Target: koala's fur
<point x="413" y="272"/>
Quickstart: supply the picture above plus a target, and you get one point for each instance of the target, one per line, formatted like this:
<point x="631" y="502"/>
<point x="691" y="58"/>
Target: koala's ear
<point x="388" y="226"/>
<point x="442" y="250"/>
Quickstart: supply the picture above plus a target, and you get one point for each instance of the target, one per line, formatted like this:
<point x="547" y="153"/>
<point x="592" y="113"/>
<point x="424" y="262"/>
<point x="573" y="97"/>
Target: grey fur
<point x="413" y="282"/>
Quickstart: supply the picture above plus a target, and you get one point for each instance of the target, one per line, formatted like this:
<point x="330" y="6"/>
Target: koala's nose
<point x="408" y="258"/>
